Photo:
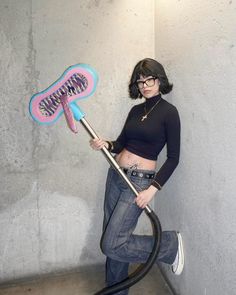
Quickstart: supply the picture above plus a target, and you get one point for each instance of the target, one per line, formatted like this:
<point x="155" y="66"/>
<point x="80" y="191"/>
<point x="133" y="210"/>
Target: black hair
<point x="148" y="67"/>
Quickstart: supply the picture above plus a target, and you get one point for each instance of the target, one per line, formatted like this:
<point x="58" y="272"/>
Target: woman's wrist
<point x="153" y="189"/>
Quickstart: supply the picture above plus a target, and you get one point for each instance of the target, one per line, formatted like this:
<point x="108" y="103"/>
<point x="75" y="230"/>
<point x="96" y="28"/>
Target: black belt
<point x="139" y="174"/>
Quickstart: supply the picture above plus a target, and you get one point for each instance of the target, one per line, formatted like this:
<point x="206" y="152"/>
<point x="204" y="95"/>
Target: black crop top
<point x="147" y="138"/>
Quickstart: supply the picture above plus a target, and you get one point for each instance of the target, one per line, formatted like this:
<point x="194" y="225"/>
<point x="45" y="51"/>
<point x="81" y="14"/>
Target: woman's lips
<point x="146" y="91"/>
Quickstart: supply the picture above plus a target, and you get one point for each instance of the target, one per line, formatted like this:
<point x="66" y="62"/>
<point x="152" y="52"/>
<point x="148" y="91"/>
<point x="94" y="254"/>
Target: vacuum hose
<point x="144" y="269"/>
<point x="138" y="275"/>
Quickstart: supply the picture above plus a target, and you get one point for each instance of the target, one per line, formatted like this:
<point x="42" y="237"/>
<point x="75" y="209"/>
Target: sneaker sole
<point x="181" y="255"/>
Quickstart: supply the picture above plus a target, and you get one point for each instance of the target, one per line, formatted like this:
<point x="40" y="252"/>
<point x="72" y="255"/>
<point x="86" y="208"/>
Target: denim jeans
<point x="118" y="242"/>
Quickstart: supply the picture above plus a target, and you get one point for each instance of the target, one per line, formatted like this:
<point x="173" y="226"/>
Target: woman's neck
<point x="152" y="100"/>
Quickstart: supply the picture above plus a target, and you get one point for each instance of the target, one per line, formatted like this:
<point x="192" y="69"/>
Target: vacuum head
<point x="77" y="82"/>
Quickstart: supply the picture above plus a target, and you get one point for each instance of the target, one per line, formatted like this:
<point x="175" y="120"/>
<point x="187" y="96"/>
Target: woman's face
<point x="148" y="86"/>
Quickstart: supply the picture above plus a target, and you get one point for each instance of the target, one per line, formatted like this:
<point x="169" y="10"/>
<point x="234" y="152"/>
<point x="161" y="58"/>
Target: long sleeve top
<point x="148" y="137"/>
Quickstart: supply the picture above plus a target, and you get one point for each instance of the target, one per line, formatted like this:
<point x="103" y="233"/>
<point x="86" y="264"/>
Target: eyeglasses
<point x="149" y="82"/>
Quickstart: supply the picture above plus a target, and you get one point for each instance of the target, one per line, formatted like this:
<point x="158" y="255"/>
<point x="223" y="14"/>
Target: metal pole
<point x="111" y="160"/>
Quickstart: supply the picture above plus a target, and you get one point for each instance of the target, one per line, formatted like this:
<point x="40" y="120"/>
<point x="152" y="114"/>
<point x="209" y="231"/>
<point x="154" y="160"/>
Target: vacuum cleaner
<point x="46" y="107"/>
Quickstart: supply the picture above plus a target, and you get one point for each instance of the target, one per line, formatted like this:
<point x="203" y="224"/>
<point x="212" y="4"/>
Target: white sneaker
<point x="178" y="265"/>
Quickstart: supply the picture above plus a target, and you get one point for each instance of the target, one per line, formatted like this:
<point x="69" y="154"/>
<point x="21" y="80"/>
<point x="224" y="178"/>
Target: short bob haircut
<point x="148" y="67"/>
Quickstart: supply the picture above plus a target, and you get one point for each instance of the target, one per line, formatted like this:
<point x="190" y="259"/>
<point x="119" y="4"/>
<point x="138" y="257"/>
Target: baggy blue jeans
<point x="118" y="242"/>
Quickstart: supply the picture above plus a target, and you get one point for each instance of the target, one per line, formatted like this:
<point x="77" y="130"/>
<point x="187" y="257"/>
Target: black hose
<point x="144" y="269"/>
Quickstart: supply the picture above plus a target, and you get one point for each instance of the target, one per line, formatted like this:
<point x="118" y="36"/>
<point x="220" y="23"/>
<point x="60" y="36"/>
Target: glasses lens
<point x="150" y="82"/>
<point x="140" y="84"/>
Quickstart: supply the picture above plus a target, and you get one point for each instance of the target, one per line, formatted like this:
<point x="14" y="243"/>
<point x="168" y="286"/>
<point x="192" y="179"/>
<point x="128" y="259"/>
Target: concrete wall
<point x="196" y="41"/>
<point x="51" y="183"/>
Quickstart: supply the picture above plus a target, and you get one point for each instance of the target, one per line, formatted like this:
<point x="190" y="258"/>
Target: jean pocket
<point x="140" y="183"/>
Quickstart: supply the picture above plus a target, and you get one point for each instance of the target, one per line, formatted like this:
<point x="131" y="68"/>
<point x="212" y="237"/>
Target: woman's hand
<point x="145" y="196"/>
<point x="98" y="144"/>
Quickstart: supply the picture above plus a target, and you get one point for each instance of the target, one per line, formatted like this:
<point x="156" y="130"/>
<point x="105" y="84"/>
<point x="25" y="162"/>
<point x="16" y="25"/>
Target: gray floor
<point x="85" y="282"/>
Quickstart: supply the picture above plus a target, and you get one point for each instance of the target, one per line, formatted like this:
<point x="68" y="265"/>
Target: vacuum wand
<point x="46" y="107"/>
<point x="111" y="160"/>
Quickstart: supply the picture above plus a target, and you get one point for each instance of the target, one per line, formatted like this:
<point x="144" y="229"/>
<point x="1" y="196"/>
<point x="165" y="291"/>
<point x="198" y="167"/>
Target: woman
<point x="148" y="128"/>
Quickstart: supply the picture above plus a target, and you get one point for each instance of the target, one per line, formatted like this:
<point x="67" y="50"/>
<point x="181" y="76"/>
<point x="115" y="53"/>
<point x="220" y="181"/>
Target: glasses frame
<point x="145" y="82"/>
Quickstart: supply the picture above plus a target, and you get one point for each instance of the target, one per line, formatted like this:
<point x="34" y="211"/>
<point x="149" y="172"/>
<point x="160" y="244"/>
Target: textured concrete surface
<point x="52" y="184"/>
<point x="196" y="40"/>
<point x="85" y="282"/>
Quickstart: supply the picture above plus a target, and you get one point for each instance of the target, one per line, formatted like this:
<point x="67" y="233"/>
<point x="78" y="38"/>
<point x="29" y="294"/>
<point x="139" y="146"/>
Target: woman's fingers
<point x="144" y="197"/>
<point x="97" y="143"/>
<point x="141" y="202"/>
